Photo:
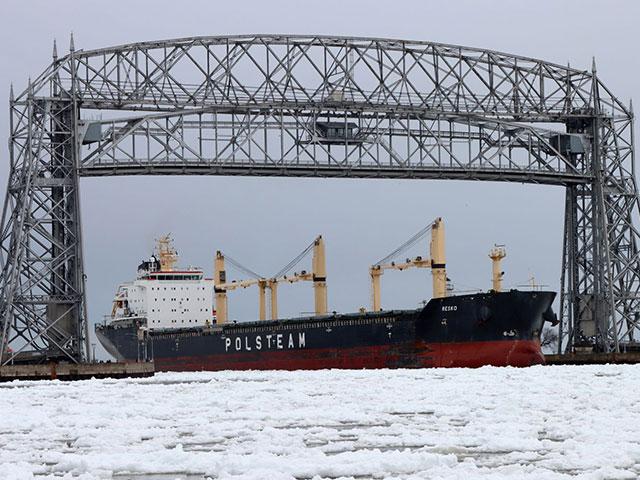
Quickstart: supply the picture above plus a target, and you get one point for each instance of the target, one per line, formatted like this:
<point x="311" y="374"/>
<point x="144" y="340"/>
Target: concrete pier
<point x="73" y="371"/>
<point x="593" y="358"/>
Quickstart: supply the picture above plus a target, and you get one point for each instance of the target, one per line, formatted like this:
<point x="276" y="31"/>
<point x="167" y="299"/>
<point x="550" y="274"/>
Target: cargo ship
<point x="167" y="315"/>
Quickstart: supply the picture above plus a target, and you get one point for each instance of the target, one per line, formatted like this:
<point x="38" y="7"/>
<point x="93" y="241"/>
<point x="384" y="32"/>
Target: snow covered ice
<point x="494" y="423"/>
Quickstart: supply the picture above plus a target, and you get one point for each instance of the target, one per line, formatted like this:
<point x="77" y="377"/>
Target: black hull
<point x="467" y="330"/>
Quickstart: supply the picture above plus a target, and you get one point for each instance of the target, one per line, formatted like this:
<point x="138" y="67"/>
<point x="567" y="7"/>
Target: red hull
<point x="516" y="353"/>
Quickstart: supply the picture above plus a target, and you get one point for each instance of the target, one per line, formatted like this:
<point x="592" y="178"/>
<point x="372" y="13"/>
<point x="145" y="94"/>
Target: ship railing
<point x="108" y="318"/>
<point x="466" y="292"/>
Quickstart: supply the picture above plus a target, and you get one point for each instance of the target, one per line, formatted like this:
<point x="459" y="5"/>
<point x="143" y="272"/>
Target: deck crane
<point x="436" y="263"/>
<point x="221" y="287"/>
<point x="318" y="276"/>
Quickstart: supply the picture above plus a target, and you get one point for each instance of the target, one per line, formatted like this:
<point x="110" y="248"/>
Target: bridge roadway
<point x="370" y="172"/>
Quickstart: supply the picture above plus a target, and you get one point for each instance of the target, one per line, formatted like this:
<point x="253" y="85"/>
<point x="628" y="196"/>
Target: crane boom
<point x="437" y="264"/>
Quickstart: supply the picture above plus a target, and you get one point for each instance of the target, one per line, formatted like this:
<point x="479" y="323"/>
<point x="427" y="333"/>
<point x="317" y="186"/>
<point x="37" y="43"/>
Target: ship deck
<point x="286" y="321"/>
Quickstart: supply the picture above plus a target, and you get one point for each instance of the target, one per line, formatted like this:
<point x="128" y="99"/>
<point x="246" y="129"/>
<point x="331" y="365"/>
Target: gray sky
<point x="263" y="223"/>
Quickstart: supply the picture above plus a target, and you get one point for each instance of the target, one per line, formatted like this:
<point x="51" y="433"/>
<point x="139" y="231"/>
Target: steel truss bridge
<point x="312" y="106"/>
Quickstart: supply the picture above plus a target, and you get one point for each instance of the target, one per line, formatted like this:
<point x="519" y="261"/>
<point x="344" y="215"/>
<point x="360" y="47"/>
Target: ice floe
<point x="491" y="423"/>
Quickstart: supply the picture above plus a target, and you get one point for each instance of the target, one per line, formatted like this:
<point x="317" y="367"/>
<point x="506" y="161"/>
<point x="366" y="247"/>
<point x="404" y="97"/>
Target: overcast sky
<point x="265" y="222"/>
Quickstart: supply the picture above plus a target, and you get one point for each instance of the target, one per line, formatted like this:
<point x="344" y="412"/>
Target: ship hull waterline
<point x="499" y="329"/>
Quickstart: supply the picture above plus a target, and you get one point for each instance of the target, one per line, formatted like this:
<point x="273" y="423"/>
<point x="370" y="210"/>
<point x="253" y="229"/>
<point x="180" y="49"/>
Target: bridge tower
<point x="42" y="302"/>
<point x="600" y="275"/>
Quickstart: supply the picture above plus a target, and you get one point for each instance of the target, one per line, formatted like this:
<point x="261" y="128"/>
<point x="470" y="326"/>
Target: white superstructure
<point x="165" y="296"/>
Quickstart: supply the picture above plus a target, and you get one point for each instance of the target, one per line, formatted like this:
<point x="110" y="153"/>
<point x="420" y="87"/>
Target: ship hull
<point x="501" y="329"/>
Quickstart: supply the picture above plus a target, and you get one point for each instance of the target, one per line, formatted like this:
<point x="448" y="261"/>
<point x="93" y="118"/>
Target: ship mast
<point x="496" y="255"/>
<point x="166" y="253"/>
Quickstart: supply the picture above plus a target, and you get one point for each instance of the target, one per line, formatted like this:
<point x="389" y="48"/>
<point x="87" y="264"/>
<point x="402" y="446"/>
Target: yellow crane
<point x="221" y="287"/>
<point x="318" y="276"/>
<point x="437" y="262"/>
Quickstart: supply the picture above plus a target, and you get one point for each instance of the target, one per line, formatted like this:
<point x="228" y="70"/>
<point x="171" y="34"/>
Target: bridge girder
<point x="283" y="142"/>
<point x="253" y="105"/>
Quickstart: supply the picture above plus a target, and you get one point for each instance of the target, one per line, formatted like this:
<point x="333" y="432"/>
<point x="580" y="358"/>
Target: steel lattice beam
<point x="253" y="105"/>
<point x="284" y="142"/>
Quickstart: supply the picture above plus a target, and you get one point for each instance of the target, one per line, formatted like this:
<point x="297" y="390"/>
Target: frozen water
<point x="494" y="423"/>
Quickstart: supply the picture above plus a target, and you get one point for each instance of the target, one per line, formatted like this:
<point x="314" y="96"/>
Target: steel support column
<point x="42" y="301"/>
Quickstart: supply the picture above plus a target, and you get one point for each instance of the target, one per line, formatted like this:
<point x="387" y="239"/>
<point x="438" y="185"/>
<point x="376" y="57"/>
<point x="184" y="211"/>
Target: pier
<point x="73" y="371"/>
<point x="593" y="358"/>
